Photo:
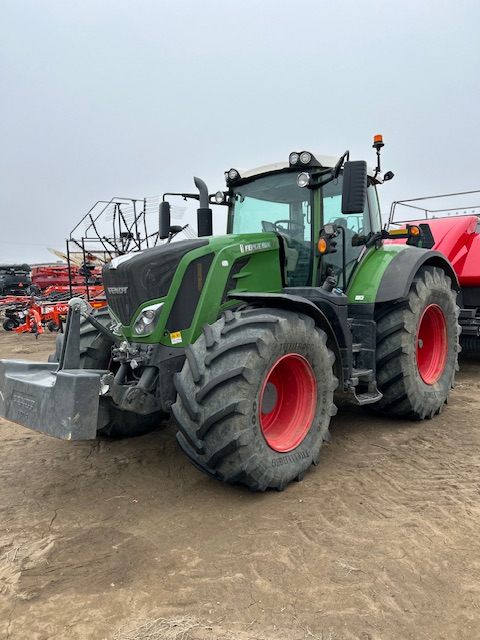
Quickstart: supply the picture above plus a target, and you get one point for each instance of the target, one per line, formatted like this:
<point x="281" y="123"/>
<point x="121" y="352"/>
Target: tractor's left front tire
<point x="255" y="398"/>
<point x="95" y="353"/>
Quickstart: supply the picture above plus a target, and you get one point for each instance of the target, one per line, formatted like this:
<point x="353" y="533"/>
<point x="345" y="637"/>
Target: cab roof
<point x="324" y="161"/>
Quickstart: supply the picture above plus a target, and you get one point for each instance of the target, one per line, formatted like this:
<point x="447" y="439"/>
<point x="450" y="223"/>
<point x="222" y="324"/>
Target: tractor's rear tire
<point x="255" y="397"/>
<point x="95" y="353"/>
<point x="417" y="348"/>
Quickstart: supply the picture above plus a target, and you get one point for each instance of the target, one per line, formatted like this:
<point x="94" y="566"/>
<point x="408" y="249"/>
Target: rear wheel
<point x="255" y="397"/>
<point x="417" y="348"/>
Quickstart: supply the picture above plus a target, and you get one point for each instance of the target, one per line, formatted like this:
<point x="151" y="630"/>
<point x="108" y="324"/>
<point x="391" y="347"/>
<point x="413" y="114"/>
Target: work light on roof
<point x="305" y="157"/>
<point x="294" y="158"/>
<point x="232" y="175"/>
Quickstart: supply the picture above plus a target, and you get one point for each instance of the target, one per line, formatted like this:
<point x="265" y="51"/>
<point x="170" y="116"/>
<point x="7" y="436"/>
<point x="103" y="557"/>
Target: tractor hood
<point x="135" y="278"/>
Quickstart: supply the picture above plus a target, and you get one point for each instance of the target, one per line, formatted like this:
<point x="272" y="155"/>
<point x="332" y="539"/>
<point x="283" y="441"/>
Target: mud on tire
<point x="417" y="348"/>
<point x="241" y="398"/>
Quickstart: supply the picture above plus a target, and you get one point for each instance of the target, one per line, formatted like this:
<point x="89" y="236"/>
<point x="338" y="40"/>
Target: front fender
<point x="298" y="304"/>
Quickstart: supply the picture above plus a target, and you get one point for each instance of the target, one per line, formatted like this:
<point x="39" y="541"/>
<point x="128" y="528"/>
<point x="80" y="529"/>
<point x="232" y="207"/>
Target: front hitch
<point x="61" y="399"/>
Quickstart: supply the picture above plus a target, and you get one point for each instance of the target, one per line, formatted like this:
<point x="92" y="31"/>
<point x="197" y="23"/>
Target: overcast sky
<point x="104" y="98"/>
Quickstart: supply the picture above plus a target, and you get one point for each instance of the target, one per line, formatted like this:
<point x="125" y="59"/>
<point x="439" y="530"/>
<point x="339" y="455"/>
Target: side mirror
<point x="354" y="190"/>
<point x="164" y="220"/>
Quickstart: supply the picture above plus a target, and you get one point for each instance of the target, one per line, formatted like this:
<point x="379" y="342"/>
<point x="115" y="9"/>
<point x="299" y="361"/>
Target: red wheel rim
<point x="287" y="402"/>
<point x="431" y="344"/>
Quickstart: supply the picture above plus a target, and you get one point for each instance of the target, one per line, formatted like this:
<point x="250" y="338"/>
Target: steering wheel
<point x="300" y="227"/>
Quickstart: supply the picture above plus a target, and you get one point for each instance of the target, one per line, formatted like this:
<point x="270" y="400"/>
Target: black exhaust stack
<point x="204" y="213"/>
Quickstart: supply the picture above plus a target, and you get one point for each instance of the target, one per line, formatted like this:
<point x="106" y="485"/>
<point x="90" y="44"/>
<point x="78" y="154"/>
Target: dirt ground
<point x="125" y="539"/>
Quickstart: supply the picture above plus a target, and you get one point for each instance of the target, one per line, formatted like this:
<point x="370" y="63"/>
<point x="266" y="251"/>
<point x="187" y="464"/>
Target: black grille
<point x="188" y="294"/>
<point x="144" y="276"/>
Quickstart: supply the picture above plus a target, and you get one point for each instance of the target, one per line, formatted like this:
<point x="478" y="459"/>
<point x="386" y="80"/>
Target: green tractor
<point x="247" y="339"/>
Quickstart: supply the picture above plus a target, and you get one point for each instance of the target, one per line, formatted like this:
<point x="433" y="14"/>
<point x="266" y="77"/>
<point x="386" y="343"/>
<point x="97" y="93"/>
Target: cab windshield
<point x="272" y="203"/>
<point x="276" y="203"/>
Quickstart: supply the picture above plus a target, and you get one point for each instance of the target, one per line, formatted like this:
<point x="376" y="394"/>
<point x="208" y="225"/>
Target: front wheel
<point x="417" y="348"/>
<point x="9" y="324"/>
<point x="255" y="397"/>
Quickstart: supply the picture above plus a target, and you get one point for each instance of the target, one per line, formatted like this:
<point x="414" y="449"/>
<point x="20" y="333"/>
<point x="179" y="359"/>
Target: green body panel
<point x="262" y="272"/>
<point x="366" y="278"/>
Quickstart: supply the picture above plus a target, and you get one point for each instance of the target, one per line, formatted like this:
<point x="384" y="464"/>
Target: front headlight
<point x="147" y="320"/>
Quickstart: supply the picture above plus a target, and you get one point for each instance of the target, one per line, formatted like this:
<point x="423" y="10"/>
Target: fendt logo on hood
<point x="117" y="290"/>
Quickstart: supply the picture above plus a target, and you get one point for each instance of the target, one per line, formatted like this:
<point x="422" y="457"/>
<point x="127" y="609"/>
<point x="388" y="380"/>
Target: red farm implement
<point x="451" y="226"/>
<point x="34" y="315"/>
<point x="63" y="275"/>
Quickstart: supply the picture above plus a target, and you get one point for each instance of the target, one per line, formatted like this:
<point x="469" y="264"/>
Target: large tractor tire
<point x="417" y="348"/>
<point x="95" y="353"/>
<point x="255" y="397"/>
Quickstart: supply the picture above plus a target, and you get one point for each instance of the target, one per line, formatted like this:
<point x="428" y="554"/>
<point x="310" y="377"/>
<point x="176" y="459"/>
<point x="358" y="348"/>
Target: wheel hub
<point x="431" y="344"/>
<point x="287" y="402"/>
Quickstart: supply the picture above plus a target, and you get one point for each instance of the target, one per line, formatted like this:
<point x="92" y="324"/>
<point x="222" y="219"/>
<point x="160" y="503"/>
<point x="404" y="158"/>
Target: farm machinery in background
<point x="451" y="223"/>
<point x="108" y="230"/>
<point x="247" y="339"/>
<point x="36" y="313"/>
<point x="44" y="303"/>
<point x="15" y="279"/>
<point x="62" y="277"/>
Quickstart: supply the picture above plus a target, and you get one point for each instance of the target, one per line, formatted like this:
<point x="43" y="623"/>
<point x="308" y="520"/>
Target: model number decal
<point x="257" y="246"/>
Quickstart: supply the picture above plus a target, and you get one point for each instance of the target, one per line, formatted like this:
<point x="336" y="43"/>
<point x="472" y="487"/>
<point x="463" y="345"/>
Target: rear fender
<point x="386" y="274"/>
<point x="399" y="274"/>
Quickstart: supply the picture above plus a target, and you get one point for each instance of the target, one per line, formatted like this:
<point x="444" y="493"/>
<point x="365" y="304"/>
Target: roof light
<point x="305" y="157"/>
<point x="294" y="158"/>
<point x="232" y="175"/>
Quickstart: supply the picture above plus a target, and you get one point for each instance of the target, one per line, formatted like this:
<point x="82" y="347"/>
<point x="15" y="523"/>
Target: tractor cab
<point x="303" y="201"/>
